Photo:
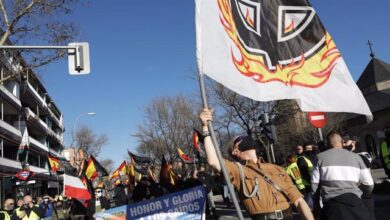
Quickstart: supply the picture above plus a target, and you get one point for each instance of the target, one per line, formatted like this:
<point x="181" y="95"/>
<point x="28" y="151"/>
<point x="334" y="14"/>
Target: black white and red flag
<point x="74" y="187"/>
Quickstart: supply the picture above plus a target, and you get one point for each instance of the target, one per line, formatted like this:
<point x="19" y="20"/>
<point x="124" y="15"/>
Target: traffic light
<point x="267" y="127"/>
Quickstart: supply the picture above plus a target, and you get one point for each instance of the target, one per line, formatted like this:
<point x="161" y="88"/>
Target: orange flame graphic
<point x="248" y="19"/>
<point x="310" y="73"/>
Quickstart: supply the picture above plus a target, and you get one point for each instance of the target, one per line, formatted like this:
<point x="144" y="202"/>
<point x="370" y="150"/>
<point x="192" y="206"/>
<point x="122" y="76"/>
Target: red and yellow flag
<point x="54" y="163"/>
<point x="120" y="171"/>
<point x="91" y="172"/>
<point x="167" y="176"/>
<point x="184" y="157"/>
<point x="94" y="169"/>
<point x="197" y="138"/>
<point x="131" y="172"/>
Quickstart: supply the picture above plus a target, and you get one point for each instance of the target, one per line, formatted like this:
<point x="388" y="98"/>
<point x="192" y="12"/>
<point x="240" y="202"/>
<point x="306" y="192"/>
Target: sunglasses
<point x="98" y="191"/>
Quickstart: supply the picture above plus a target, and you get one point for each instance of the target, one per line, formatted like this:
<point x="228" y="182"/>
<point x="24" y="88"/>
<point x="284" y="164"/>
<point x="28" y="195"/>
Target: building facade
<point x="374" y="83"/>
<point x="25" y="103"/>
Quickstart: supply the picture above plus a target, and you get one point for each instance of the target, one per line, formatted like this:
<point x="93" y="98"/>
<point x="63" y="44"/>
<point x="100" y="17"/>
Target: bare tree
<point x="168" y="124"/>
<point x="89" y="142"/>
<point x="37" y="21"/>
<point x="237" y="115"/>
<point x="108" y="164"/>
<point x="293" y="126"/>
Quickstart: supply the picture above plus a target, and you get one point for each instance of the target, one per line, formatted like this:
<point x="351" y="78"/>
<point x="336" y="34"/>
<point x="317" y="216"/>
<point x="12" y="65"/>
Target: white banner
<point x="268" y="51"/>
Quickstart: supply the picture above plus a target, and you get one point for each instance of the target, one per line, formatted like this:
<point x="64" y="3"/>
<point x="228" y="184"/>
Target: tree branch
<point x="5" y="14"/>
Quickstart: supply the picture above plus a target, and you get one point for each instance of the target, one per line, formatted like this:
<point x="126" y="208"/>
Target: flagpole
<point x="218" y="150"/>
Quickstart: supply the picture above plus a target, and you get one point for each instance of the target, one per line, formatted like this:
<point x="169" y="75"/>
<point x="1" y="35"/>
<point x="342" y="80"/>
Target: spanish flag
<point x="184" y="157"/>
<point x="168" y="178"/>
<point x="120" y="171"/>
<point x="131" y="172"/>
<point x="94" y="169"/>
<point x="54" y="163"/>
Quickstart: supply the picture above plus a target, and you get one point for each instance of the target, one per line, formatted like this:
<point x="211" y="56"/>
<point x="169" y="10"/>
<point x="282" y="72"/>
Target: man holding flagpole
<point x="265" y="189"/>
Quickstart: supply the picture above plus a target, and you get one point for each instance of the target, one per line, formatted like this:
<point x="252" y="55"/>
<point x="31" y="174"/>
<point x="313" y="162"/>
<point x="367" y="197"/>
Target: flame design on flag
<point x="311" y="73"/>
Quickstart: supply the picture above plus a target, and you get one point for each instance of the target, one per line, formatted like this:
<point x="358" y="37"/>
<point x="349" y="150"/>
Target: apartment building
<point x="24" y="102"/>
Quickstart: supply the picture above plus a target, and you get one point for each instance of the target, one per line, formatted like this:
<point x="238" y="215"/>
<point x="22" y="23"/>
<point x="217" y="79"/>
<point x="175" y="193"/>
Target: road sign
<point x="317" y="119"/>
<point x="78" y="58"/>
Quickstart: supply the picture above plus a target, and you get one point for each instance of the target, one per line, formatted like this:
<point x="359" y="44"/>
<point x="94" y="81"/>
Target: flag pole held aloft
<point x="218" y="151"/>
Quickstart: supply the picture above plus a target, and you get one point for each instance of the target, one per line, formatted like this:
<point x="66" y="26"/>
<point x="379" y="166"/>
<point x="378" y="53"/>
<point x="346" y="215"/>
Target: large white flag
<point x="266" y="50"/>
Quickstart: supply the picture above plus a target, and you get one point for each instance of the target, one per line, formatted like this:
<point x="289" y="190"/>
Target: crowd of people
<point x="323" y="181"/>
<point x="327" y="181"/>
<point x="41" y="207"/>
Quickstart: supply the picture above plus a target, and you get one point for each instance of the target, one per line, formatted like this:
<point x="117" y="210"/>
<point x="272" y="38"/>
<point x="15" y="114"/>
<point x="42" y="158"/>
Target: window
<point x="10" y="150"/>
<point x="33" y="159"/>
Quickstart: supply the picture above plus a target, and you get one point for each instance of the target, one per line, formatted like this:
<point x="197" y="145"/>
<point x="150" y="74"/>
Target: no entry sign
<point x="317" y="119"/>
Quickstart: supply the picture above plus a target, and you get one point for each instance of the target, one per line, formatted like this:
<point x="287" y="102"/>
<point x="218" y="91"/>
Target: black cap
<point x="246" y="143"/>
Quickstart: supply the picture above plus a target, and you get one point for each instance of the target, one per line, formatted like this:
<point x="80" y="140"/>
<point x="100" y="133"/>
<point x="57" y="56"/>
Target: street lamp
<point x="75" y="122"/>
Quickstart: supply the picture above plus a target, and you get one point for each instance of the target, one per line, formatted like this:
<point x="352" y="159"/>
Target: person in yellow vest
<point x="293" y="171"/>
<point x="305" y="166"/>
<point x="385" y="152"/>
<point x="29" y="211"/>
<point x="8" y="209"/>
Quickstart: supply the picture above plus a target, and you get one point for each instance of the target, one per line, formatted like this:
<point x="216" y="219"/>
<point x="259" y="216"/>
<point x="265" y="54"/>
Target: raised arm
<point x="212" y="159"/>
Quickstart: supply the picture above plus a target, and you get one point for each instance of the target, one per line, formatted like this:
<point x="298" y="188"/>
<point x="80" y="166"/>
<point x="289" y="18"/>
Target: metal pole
<point x="320" y="133"/>
<point x="218" y="151"/>
<point x="272" y="153"/>
<point x="16" y="47"/>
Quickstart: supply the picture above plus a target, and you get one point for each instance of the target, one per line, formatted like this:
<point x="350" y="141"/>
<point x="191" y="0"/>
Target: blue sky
<point x="144" y="49"/>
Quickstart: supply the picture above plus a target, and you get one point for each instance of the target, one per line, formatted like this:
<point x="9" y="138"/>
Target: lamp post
<point x="75" y="122"/>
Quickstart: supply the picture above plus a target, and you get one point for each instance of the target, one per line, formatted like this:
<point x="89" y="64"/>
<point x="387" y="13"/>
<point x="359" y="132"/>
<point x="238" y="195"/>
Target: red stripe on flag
<point x="75" y="188"/>
<point x="77" y="193"/>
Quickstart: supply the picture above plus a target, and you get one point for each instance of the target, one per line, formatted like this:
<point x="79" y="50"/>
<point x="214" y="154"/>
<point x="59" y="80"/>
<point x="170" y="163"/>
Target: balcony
<point x="16" y="135"/>
<point x="17" y="166"/>
<point x="31" y="116"/>
<point x="55" y="153"/>
<point x="58" y="121"/>
<point x="41" y="101"/>
<point x="13" y="100"/>
<point x="10" y="131"/>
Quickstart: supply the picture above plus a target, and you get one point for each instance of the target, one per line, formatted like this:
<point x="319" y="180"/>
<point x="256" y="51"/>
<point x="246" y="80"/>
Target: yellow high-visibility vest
<point x="293" y="171"/>
<point x="6" y="216"/>
<point x="385" y="154"/>
<point x="310" y="166"/>
<point x="33" y="215"/>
